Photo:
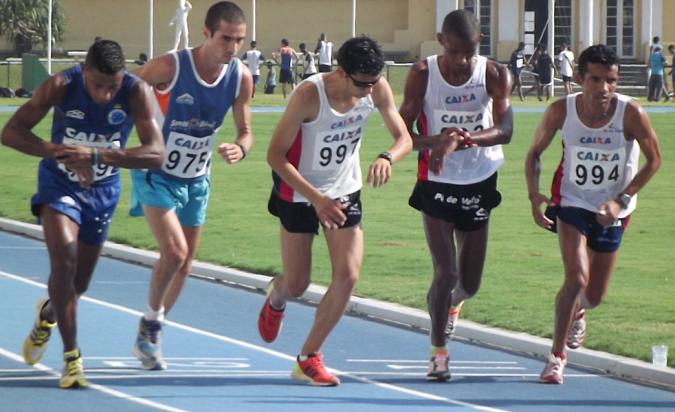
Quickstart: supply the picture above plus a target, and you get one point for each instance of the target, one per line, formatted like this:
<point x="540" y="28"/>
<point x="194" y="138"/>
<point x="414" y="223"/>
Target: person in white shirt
<point x="593" y="192"/>
<point x="565" y="62"/>
<point x="253" y="58"/>
<point x="308" y="66"/>
<point x="324" y="49"/>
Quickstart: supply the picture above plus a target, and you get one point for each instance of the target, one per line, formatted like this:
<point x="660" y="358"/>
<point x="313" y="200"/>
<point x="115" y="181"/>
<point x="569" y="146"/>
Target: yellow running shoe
<point x="35" y="344"/>
<point x="73" y="371"/>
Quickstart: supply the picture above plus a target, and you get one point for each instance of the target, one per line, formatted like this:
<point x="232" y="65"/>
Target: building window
<point x="621" y="27"/>
<point x="563" y="23"/>
<point x="483" y="11"/>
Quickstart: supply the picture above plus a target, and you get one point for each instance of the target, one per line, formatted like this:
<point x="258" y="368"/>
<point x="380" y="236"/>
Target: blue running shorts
<point x="187" y="198"/>
<point x="599" y="238"/>
<point x="92" y="209"/>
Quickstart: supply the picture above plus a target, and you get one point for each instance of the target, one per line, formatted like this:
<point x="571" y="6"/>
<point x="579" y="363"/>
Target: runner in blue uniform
<point x="194" y="89"/>
<point x="95" y="106"/>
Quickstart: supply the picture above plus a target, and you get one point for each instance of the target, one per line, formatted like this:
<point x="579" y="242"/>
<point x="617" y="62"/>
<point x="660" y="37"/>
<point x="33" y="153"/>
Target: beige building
<point x="405" y="28"/>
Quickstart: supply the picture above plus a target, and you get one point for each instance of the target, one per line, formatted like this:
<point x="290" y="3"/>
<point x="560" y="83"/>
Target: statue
<point x="180" y="21"/>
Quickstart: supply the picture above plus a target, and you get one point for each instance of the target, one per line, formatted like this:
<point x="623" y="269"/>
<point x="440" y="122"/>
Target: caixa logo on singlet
<point x="117" y="116"/>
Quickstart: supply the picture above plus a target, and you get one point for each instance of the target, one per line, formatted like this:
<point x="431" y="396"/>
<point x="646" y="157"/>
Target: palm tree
<point x="24" y="23"/>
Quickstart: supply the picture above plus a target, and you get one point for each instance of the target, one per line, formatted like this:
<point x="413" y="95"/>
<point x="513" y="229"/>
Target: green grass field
<point x="523" y="270"/>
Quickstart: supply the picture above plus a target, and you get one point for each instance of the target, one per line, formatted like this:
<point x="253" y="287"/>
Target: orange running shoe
<point x="269" y="321"/>
<point x="313" y="372"/>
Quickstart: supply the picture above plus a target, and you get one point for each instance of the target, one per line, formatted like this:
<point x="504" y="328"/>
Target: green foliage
<point x="25" y="23"/>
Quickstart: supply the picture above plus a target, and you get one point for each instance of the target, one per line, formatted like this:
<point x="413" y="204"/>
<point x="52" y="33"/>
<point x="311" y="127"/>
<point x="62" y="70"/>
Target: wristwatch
<point x="386" y="155"/>
<point x="624" y="200"/>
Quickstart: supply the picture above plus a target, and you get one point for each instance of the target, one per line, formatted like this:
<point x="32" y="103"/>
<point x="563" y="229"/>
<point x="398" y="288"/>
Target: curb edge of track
<point x="615" y="365"/>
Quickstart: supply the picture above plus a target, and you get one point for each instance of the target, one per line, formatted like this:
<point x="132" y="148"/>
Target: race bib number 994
<point x="187" y="156"/>
<point x="596" y="169"/>
<point x="101" y="171"/>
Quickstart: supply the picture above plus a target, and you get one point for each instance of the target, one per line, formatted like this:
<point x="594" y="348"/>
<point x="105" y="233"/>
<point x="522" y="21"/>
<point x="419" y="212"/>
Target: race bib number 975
<point x="101" y="171"/>
<point x="187" y="156"/>
<point x="596" y="169"/>
<point x="334" y="147"/>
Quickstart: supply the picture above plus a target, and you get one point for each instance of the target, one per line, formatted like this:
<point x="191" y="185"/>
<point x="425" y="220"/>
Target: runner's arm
<point x="241" y="114"/>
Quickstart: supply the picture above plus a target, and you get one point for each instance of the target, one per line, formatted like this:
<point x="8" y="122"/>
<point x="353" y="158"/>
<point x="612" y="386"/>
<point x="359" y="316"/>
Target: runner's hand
<point x="608" y="213"/>
<point x="450" y="140"/>
<point x="330" y="213"/>
<point x="540" y="218"/>
<point x="74" y="156"/>
<point x="379" y="172"/>
<point x="230" y="152"/>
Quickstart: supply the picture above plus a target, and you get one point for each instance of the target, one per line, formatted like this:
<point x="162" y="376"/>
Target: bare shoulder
<point x="556" y="113"/>
<point x="304" y="101"/>
<point x="497" y="76"/>
<point x="158" y="71"/>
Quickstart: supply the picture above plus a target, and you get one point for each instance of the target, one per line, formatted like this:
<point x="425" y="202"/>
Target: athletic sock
<point x="157" y="315"/>
<point x="434" y="350"/>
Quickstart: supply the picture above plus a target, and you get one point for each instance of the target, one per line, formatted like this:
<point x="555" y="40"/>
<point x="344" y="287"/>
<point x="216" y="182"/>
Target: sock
<point x="579" y="314"/>
<point x="73" y="354"/>
<point x="157" y="315"/>
<point x="434" y="350"/>
<point x="303" y="358"/>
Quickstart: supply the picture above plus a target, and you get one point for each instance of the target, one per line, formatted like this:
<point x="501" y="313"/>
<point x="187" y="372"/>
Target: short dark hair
<point x="223" y="10"/>
<point x="106" y="56"/>
<point x="361" y="54"/>
<point x="302" y="46"/>
<point x="656" y="39"/>
<point x="461" y="23"/>
<point x="285" y="42"/>
<point x="599" y="54"/>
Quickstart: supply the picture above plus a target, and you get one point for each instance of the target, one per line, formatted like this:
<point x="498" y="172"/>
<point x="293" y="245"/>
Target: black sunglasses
<point x="362" y="84"/>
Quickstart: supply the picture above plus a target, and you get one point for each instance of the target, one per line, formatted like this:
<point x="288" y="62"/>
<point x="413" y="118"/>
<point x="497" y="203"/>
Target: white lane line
<point x="281" y="355"/>
<point x="94" y="386"/>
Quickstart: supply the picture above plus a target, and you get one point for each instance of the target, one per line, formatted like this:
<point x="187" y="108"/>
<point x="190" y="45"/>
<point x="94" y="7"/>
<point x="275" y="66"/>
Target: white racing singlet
<point x="326" y="150"/>
<point x="598" y="163"/>
<point x="469" y="107"/>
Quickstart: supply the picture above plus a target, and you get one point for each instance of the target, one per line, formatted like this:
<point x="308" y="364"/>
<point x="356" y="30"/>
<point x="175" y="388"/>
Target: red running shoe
<point x="313" y="372"/>
<point x="269" y="321"/>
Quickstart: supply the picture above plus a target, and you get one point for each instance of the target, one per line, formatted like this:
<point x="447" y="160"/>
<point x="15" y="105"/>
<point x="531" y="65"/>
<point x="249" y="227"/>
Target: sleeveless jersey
<point x="190" y="111"/>
<point x="79" y="121"/>
<point x="468" y="107"/>
<point x="598" y="163"/>
<point x="326" y="150"/>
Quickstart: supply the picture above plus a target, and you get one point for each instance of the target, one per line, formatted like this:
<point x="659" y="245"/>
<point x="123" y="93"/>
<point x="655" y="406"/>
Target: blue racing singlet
<point x="78" y="120"/>
<point x="190" y="111"/>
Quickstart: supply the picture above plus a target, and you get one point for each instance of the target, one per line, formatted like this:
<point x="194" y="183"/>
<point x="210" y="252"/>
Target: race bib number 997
<point x="187" y="156"/>
<point x="101" y="171"/>
<point x="596" y="169"/>
<point x="334" y="147"/>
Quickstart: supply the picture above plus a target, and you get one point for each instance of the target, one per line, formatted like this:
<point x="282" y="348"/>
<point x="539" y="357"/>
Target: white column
<point x="551" y="37"/>
<point x="49" y="40"/>
<point x="443" y="7"/>
<point x="586" y="19"/>
<point x="151" y="41"/>
<point x="508" y="18"/>
<point x="353" y="18"/>
<point x="253" y="34"/>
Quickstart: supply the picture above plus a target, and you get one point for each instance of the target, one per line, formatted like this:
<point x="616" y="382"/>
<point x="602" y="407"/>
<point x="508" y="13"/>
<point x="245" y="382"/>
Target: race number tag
<point x="101" y="171"/>
<point x="596" y="169"/>
<point x="187" y="156"/>
<point x="334" y="147"/>
<point x="468" y="121"/>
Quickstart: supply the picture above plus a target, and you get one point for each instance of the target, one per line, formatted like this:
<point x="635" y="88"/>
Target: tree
<point x="24" y="23"/>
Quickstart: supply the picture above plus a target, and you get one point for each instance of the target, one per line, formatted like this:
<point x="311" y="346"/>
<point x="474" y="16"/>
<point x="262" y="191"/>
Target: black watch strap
<point x="387" y="156"/>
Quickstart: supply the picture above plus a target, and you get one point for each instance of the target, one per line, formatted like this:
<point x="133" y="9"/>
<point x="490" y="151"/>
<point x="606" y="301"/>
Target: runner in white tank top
<point x="469" y="107"/>
<point x="460" y="103"/>
<point x="598" y="163"/>
<point x="326" y="150"/>
<point x="594" y="190"/>
<point x="314" y="154"/>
